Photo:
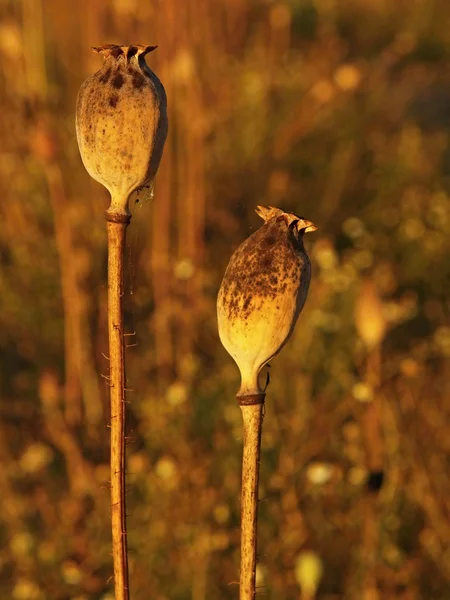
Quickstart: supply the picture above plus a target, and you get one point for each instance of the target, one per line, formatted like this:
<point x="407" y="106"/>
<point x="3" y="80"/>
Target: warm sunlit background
<point x="338" y="110"/>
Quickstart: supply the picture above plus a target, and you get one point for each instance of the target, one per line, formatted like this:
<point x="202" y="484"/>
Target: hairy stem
<point x="252" y="416"/>
<point x="116" y="227"/>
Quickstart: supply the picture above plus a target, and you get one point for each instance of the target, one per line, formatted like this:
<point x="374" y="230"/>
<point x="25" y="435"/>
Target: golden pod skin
<point x="263" y="292"/>
<point x="121" y="123"/>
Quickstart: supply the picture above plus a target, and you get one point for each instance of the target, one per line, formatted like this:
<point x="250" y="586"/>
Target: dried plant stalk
<point x="262" y="294"/>
<point x="116" y="245"/>
<point x="121" y="128"/>
<point x="252" y="417"/>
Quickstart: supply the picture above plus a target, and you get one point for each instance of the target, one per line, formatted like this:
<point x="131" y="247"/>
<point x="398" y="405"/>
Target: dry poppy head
<point x="121" y="122"/>
<point x="263" y="292"/>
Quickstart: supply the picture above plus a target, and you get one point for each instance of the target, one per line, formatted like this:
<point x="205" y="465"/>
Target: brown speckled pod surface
<point x="262" y="293"/>
<point x="121" y="122"/>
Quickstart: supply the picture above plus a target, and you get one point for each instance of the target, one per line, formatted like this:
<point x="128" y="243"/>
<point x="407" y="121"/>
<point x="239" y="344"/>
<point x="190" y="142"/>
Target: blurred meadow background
<point x="338" y="111"/>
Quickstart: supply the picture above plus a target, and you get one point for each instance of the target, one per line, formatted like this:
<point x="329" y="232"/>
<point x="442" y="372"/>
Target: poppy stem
<point x="252" y="417"/>
<point x="116" y="229"/>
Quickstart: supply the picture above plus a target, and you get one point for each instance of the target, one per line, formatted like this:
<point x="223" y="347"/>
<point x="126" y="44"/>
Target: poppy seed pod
<point x="262" y="293"/>
<point x="121" y="123"/>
